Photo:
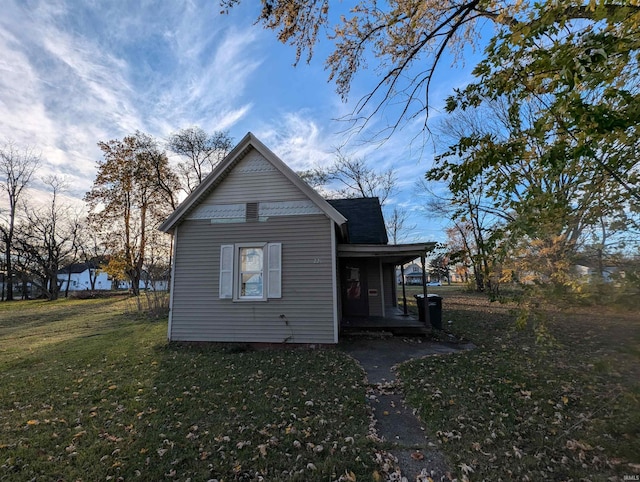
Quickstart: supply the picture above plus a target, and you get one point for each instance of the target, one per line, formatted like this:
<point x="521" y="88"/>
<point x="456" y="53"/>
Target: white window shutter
<point x="274" y="270"/>
<point x="226" y="271"/>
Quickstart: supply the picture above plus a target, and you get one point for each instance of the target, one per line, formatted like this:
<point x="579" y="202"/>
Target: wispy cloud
<point x="75" y="72"/>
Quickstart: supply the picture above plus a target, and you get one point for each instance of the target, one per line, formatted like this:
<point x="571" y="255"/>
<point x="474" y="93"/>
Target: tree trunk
<point x="134" y="277"/>
<point x="9" y="275"/>
<point x="66" y="290"/>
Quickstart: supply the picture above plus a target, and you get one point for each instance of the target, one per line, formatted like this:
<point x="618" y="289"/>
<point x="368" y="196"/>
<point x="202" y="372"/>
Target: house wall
<point x="253" y="179"/>
<point x="374" y="282"/>
<point x="305" y="312"/>
<point x="81" y="281"/>
<point x="307" y="292"/>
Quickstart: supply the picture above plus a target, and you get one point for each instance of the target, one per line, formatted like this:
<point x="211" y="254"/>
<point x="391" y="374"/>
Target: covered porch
<point x="369" y="287"/>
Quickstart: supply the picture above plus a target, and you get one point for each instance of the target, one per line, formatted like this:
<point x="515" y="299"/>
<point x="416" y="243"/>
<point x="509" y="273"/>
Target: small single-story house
<point x="147" y="282"/>
<point x="78" y="277"/>
<point x="260" y="256"/>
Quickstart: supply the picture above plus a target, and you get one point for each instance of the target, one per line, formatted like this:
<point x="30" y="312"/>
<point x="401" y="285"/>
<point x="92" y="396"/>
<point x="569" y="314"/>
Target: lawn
<point x="91" y="391"/>
<point x="567" y="408"/>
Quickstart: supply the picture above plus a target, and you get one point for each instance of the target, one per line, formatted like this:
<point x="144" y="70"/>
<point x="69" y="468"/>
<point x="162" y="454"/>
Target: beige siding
<point x="254" y="179"/>
<point x="304" y="314"/>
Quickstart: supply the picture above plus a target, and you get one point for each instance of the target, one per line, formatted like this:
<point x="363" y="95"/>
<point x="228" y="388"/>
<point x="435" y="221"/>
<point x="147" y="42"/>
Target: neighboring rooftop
<point x="365" y="222"/>
<point x="76" y="268"/>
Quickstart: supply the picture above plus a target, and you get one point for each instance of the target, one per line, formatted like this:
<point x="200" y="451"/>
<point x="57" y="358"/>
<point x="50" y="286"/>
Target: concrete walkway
<point x="395" y="422"/>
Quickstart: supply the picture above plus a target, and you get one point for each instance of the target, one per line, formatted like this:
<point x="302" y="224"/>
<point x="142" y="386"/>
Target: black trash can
<point x="420" y="303"/>
<point x="435" y="311"/>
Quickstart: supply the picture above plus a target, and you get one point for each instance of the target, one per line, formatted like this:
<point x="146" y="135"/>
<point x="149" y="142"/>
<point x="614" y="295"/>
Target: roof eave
<point x="392" y="253"/>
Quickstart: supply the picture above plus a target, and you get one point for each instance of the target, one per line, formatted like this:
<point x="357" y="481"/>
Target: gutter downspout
<point x="174" y="246"/>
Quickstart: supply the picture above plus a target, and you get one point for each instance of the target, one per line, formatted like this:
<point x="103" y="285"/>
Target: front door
<point x="355" y="299"/>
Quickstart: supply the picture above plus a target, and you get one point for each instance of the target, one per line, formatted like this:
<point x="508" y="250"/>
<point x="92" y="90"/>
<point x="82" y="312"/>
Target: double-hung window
<point x="251" y="272"/>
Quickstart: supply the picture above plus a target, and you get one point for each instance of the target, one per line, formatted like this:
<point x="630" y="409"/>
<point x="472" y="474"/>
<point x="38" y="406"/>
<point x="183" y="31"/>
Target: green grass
<point x="515" y="409"/>
<point x="91" y="391"/>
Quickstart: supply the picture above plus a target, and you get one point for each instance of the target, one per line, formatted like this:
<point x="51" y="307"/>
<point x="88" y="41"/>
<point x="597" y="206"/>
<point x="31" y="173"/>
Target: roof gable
<point x="365" y="222"/>
<point x="222" y="170"/>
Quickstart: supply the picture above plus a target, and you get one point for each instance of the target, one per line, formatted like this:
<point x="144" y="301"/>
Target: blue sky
<point x="73" y="73"/>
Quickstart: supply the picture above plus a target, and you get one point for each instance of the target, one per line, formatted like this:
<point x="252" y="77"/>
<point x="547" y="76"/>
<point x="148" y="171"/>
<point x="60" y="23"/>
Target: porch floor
<point x="394" y="321"/>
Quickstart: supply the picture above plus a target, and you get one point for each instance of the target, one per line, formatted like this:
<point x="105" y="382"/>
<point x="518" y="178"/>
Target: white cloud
<point x="298" y="140"/>
<point x="68" y="83"/>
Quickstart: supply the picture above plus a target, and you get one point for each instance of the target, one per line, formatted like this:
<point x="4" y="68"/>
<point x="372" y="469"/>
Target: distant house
<point x="260" y="256"/>
<point x="590" y="271"/>
<point x="77" y="277"/>
<point x="147" y="282"/>
<point x="413" y="274"/>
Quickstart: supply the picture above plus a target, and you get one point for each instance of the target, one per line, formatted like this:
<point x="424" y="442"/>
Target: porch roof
<point x="389" y="253"/>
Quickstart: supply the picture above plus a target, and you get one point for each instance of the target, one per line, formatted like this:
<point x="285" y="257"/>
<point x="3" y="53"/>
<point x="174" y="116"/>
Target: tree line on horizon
<point x="136" y="187"/>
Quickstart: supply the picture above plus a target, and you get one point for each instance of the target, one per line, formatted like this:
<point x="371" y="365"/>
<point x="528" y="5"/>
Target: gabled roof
<point x="220" y="172"/>
<point x="365" y="221"/>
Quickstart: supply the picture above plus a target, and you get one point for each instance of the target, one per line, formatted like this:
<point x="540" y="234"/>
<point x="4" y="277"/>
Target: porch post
<point x="423" y="262"/>
<point x="404" y="292"/>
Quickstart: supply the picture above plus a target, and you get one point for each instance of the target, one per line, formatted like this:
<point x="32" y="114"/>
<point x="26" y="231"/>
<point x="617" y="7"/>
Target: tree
<point x="90" y="250"/>
<point x="129" y="199"/>
<point x="397" y="225"/>
<point x="201" y="153"/>
<point x="410" y="39"/>
<point x="437" y="263"/>
<point x="579" y="84"/>
<point x="476" y="232"/>
<point x="357" y="179"/>
<point x="459" y="251"/>
<point x="17" y="167"/>
<point x="536" y="192"/>
<point x="46" y="239"/>
<point x="352" y="178"/>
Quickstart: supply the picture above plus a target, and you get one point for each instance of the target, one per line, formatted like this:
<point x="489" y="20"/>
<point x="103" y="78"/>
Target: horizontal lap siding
<point x="307" y="295"/>
<point x="244" y="185"/>
<point x="373" y="282"/>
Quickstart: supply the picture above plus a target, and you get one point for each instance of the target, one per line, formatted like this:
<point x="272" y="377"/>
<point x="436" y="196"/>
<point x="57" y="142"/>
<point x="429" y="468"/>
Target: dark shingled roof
<point x="365" y="222"/>
<point x="75" y="268"/>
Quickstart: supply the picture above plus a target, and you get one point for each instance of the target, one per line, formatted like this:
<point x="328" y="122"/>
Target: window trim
<point x="237" y="275"/>
<point x="230" y="279"/>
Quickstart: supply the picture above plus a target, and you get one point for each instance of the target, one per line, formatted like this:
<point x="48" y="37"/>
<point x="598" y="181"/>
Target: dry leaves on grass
<point x="518" y="408"/>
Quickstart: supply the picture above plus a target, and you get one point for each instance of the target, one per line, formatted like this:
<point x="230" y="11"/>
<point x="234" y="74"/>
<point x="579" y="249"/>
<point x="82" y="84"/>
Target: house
<point x="590" y="271"/>
<point x="413" y="274"/>
<point x="78" y="276"/>
<point x="260" y="256"/>
<point x="148" y="282"/>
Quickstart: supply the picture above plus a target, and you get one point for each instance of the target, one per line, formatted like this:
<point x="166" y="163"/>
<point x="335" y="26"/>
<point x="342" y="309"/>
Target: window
<point x="251" y="272"/>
